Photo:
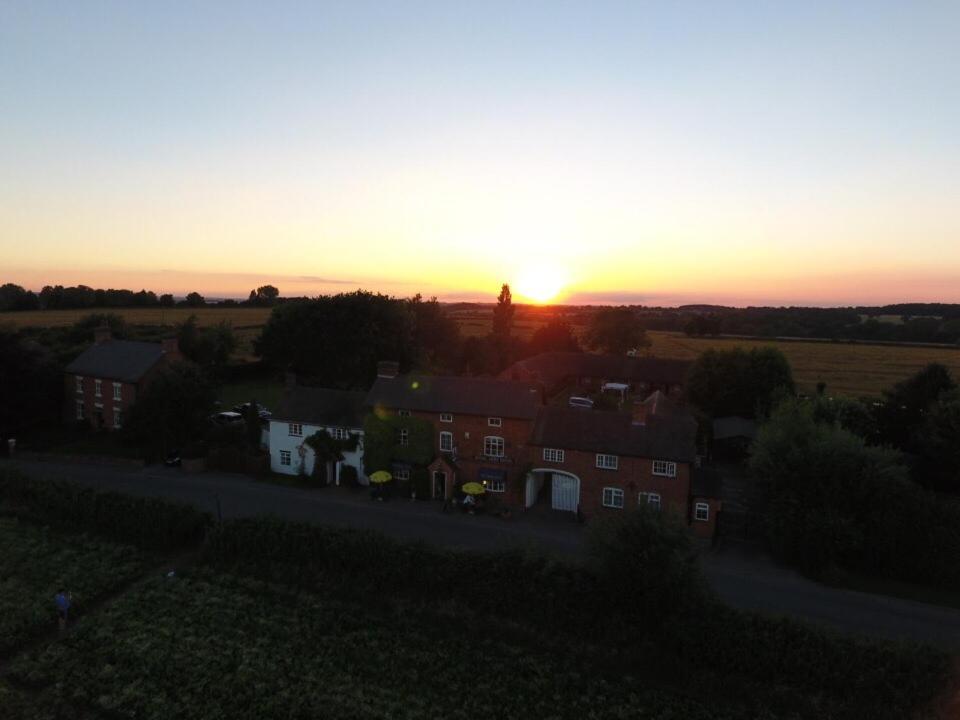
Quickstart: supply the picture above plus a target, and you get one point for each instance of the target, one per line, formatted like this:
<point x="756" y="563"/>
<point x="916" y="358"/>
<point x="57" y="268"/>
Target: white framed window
<point x="117" y="417"/>
<point x="701" y="512"/>
<point x="339" y="433"/>
<point x="403" y="413"/>
<point x="607" y="462"/>
<point x="495" y="422"/>
<point x="98" y="387"/>
<point x="404" y="437"/>
<point x="496" y="486"/>
<point x="612" y="497"/>
<point x="284" y="457"/>
<point x="553" y="455"/>
<point x="662" y="467"/>
<point x="401" y="474"/>
<point x="493" y="446"/>
<point x="446" y="441"/>
<point x="295" y="430"/>
<point x="79" y="384"/>
<point x="651" y="499"/>
<point x="117" y="391"/>
<point x="79" y="409"/>
<point x="446" y="417"/>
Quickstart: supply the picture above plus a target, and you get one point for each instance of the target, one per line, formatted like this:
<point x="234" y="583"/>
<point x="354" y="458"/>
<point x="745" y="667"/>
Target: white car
<point x="227" y="417"/>
<point x="580" y="402"/>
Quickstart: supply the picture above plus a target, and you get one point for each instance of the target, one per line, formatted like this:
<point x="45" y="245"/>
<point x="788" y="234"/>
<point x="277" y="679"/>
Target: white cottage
<point x="305" y="411"/>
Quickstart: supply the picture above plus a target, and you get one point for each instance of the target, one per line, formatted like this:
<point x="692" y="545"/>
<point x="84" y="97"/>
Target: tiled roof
<point x="123" y="360"/>
<point x="552" y="367"/>
<point x="457" y="395"/>
<point x="322" y="406"/>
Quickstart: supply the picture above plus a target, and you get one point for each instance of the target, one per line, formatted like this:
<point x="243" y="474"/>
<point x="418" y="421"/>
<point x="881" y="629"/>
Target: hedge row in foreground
<point x="148" y="523"/>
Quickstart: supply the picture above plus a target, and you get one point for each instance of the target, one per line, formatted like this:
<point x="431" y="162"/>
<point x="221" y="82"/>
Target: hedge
<point x="148" y="523"/>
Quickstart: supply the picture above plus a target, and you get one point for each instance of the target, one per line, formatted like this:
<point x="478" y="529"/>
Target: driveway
<point x="740" y="574"/>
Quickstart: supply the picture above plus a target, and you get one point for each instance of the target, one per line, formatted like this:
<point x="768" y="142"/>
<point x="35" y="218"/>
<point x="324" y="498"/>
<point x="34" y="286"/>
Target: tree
<point x="615" y="331"/>
<point x="172" y="411"/>
<point x="195" y="299"/>
<point x="738" y="381"/>
<point x="209" y="347"/>
<point x="555" y="336"/>
<point x="14" y="297"/>
<point x="83" y="328"/>
<point x="31" y="384"/>
<point x="503" y="314"/>
<point x="166" y="300"/>
<point x="901" y="416"/>
<point x="939" y="444"/>
<point x="338" y="339"/>
<point x="436" y="334"/>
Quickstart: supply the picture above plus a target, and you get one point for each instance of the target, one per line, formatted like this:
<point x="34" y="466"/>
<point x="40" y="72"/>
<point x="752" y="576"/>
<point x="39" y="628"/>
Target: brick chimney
<point x="388" y="369"/>
<point x="101" y="334"/>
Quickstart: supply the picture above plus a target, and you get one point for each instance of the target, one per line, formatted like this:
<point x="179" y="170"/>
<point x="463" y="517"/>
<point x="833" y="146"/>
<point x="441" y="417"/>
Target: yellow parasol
<point x="381" y="476"/>
<point x="473" y="488"/>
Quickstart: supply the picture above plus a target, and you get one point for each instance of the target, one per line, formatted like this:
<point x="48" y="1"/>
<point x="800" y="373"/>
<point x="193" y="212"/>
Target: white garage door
<point x="566" y="492"/>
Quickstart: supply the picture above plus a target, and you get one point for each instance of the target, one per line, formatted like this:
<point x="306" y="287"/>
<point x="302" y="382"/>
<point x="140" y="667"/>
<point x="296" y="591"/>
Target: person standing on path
<point x="63" y="601"/>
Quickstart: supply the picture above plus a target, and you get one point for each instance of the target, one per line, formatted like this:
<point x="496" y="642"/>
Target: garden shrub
<point x="348" y="476"/>
<point x="148" y="523"/>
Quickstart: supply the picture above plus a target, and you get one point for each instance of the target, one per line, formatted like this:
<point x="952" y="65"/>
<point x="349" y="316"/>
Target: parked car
<point x="580" y="402"/>
<point x="262" y="412"/>
<point x="227" y="418"/>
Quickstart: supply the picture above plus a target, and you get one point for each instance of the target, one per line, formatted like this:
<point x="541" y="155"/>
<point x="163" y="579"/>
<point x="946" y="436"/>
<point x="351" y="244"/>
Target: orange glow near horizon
<point x="540" y="284"/>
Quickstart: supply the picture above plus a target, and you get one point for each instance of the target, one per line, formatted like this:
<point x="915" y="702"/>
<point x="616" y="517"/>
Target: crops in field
<point x="35" y="562"/>
<point x="237" y="316"/>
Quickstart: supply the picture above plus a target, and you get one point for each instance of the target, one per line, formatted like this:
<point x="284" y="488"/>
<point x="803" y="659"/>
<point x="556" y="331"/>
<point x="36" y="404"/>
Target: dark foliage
<point x="739" y="382"/>
<point x="31" y="386"/>
<point x="14" y="297"/>
<point x="555" y="336"/>
<point x="615" y="330"/>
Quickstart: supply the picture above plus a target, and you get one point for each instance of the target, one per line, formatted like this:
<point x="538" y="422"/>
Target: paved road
<point x="740" y="575"/>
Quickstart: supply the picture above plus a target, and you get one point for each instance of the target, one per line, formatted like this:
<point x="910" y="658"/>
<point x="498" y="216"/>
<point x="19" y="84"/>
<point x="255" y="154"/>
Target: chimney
<point x="101" y="334"/>
<point x="290" y="380"/>
<point x="388" y="369"/>
<point x="170" y="346"/>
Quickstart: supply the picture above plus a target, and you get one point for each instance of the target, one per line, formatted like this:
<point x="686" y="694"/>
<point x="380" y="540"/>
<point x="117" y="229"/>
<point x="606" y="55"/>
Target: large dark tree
<point x="436" y="335"/>
<point x="209" y="347"/>
<point x="173" y="411"/>
<point x="939" y="444"/>
<point x="195" y="299"/>
<point x="30" y="384"/>
<point x="14" y="297"/>
<point x="555" y="336"/>
<point x="906" y="404"/>
<point x="738" y="381"/>
<point x="338" y="339"/>
<point x="615" y="331"/>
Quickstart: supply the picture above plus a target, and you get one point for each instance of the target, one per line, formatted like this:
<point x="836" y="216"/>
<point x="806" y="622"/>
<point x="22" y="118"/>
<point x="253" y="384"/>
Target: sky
<point x="655" y="153"/>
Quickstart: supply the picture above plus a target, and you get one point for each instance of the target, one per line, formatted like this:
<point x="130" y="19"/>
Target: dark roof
<point x="706" y="482"/>
<point x="322" y="406"/>
<point x="124" y="360"/>
<point x="552" y="367"/>
<point x="457" y="395"/>
<point x="671" y="437"/>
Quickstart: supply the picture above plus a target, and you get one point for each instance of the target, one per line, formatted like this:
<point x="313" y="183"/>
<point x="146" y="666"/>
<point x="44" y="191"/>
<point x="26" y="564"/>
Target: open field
<point x="238" y="316"/>
<point x="846" y="368"/>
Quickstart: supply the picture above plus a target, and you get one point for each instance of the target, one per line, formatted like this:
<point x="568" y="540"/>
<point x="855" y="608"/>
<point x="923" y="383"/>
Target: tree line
<point x="81" y="297"/>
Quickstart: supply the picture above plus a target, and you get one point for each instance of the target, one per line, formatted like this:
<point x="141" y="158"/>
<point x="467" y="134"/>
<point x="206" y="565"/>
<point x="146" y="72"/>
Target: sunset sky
<point x="658" y="153"/>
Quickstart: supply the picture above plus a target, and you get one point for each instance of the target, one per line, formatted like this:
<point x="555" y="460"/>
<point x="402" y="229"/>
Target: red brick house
<point x="482" y="427"/>
<point x="105" y="380"/>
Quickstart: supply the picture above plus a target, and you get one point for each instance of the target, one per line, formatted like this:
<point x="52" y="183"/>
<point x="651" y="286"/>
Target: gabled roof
<point x="552" y="367"/>
<point x="321" y="406"/>
<point x="123" y="360"/>
<point x="458" y="395"/>
<point x="667" y="437"/>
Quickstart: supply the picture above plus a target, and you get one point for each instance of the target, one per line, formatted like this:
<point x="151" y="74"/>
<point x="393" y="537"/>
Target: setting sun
<point x="541" y="284"/>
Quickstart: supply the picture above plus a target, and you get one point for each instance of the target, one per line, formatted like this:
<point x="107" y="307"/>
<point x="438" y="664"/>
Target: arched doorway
<point x="564" y="488"/>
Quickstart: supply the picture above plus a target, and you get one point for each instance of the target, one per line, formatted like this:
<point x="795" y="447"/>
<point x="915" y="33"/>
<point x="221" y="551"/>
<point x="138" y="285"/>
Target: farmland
<point x="237" y="316"/>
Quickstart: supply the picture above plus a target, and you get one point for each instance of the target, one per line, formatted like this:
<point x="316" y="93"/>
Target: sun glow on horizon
<point x="541" y="284"/>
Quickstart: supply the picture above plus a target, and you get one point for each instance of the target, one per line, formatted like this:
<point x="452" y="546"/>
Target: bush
<point x="148" y="523"/>
<point x="348" y="476"/>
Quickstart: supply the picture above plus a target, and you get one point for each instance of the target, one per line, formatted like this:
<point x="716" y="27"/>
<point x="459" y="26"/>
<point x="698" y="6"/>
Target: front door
<point x="565" y="493"/>
<point x="439" y="484"/>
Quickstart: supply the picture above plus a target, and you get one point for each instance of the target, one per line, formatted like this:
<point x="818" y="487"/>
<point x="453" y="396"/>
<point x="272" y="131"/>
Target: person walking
<point x="63" y="601"/>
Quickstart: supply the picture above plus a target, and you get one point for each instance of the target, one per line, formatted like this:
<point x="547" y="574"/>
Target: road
<point x="740" y="575"/>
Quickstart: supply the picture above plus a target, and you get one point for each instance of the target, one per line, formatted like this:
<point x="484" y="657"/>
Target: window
<point x="446" y="441"/>
<point x="701" y="512"/>
<point x="401" y="474"/>
<point x="404" y="437"/>
<point x="339" y="434"/>
<point x="612" y="497"/>
<point x="446" y="417"/>
<point x="295" y="430"/>
<point x="494" y="422"/>
<point x="79" y="409"/>
<point x="79" y="384"/>
<point x="117" y="417"/>
<point x="403" y="413"/>
<point x="97" y="386"/>
<point x="553" y="455"/>
<point x="607" y="462"/>
<point x="117" y="389"/>
<point x="284" y="457"/>
<point x="662" y="467"/>
<point x="496" y="486"/>
<point x="493" y="446"/>
<point x="651" y="499"/>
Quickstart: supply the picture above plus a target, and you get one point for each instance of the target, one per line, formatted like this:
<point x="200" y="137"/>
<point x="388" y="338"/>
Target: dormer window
<point x="495" y="422"/>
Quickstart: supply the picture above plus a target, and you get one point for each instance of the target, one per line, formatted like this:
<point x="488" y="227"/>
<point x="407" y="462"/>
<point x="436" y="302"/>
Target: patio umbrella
<point x="381" y="476"/>
<point x="473" y="488"/>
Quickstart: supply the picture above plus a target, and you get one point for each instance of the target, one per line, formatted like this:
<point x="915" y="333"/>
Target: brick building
<point x="103" y="382"/>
